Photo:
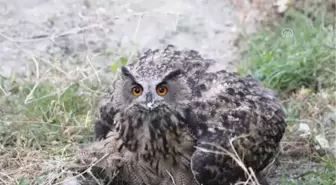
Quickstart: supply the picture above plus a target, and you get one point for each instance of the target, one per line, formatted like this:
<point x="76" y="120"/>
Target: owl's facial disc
<point x="152" y="93"/>
<point x="153" y="97"/>
<point x="149" y="95"/>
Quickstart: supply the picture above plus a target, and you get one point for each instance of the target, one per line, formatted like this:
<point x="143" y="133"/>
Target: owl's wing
<point x="209" y="163"/>
<point x="104" y="122"/>
<point x="242" y="125"/>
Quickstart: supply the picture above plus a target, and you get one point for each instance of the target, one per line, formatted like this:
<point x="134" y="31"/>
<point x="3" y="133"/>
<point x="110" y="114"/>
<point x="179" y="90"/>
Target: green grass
<point x="324" y="176"/>
<point x="297" y="53"/>
<point x="318" y="111"/>
<point x="43" y="121"/>
<point x="296" y="58"/>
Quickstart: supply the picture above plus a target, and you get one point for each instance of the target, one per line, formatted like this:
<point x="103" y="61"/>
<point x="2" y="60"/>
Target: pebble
<point x="302" y="130"/>
<point x="322" y="141"/>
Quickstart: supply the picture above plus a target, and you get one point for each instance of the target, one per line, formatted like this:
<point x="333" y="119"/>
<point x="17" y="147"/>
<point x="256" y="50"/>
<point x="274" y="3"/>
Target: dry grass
<point x="296" y="58"/>
<point x="251" y="178"/>
<point x="43" y="118"/>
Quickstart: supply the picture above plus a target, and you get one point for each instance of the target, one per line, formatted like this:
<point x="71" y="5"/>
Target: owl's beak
<point x="149" y="101"/>
<point x="150" y="105"/>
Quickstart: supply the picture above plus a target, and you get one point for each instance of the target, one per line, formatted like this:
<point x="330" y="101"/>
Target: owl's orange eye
<point x="162" y="90"/>
<point x="137" y="90"/>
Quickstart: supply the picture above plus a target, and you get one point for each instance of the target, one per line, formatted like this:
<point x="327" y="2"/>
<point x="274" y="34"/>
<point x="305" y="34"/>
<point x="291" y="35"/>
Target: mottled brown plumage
<point x="163" y="139"/>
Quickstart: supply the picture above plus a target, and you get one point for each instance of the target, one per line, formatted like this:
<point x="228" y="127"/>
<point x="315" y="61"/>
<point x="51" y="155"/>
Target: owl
<point x="176" y="121"/>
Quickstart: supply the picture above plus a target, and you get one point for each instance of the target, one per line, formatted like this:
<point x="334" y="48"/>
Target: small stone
<point x="302" y="130"/>
<point x="333" y="147"/>
<point x="322" y="142"/>
<point x="282" y="5"/>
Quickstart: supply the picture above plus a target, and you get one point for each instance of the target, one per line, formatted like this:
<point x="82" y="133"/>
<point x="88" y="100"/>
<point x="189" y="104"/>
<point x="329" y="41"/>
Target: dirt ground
<point x="60" y="33"/>
<point x="62" y="30"/>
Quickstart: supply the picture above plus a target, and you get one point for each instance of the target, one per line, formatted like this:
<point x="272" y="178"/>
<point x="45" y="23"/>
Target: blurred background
<point x="58" y="58"/>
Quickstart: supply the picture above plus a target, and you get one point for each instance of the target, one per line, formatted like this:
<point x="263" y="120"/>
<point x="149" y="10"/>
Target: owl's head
<point x="140" y="91"/>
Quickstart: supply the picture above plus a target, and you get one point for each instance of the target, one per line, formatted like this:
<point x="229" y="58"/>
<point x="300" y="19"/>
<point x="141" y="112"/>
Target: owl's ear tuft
<point x="173" y="74"/>
<point x="126" y="74"/>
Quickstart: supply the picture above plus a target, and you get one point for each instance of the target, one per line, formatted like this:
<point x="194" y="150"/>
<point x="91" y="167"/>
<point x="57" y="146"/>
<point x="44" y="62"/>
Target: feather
<point x="211" y="128"/>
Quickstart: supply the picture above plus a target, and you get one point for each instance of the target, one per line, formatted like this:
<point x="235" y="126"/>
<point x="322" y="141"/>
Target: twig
<point x="3" y="181"/>
<point x="7" y="176"/>
<point x="53" y="36"/>
<point x="60" y="90"/>
<point x="171" y="176"/>
<point x="3" y="90"/>
<point x="93" y="68"/>
<point x="97" y="181"/>
<point x="88" y="169"/>
<point x="89" y="89"/>
<point x="31" y="54"/>
<point x="329" y="70"/>
<point x="76" y="31"/>
<point x="29" y="96"/>
<point x="48" y="95"/>
<point x="234" y="156"/>
<point x="176" y="22"/>
<point x="137" y="27"/>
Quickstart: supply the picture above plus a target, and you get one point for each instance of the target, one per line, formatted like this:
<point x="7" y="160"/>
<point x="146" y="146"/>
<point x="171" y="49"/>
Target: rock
<point x="322" y="142"/>
<point x="302" y="130"/>
<point x="333" y="148"/>
<point x="282" y="5"/>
